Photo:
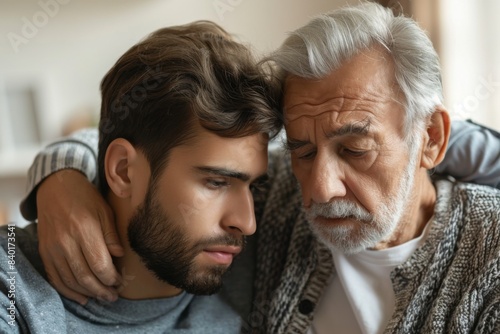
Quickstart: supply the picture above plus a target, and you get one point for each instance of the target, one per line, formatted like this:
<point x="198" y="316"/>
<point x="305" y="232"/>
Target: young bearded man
<point x="185" y="120"/>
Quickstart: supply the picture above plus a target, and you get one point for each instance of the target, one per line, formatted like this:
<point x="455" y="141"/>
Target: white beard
<point x="371" y="228"/>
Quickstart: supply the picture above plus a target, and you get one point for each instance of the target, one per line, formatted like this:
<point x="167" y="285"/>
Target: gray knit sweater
<point x="450" y="285"/>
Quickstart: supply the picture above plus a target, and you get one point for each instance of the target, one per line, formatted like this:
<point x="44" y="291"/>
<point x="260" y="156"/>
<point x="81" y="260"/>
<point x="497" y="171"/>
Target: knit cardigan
<point x="451" y="284"/>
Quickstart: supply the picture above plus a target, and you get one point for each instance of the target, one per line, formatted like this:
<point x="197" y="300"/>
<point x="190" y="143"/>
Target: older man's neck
<point x="417" y="212"/>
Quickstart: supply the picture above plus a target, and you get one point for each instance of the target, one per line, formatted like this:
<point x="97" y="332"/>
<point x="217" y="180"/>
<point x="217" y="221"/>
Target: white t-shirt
<point x="360" y="297"/>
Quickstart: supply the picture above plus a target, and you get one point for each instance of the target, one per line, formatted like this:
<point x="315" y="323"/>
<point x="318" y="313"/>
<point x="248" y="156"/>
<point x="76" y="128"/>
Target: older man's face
<point x="345" y="133"/>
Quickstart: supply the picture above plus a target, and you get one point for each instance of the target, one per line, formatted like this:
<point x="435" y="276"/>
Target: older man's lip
<point x="330" y="221"/>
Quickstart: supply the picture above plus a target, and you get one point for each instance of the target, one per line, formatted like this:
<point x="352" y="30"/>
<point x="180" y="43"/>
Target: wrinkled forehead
<point x="307" y="104"/>
<point x="323" y="107"/>
<point x="308" y="114"/>
<point x="365" y="83"/>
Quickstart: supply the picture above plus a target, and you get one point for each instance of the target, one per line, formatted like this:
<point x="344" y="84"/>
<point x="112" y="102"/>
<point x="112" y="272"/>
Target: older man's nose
<point x="326" y="181"/>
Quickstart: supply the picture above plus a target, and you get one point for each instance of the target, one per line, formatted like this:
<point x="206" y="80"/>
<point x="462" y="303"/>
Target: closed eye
<point x="309" y="155"/>
<point x="354" y="153"/>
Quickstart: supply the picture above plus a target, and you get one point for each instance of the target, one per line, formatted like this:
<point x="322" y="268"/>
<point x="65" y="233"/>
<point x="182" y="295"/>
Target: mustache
<point x="339" y="209"/>
<point x="221" y="240"/>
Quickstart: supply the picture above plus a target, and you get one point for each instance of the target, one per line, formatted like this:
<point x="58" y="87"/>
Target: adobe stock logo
<point x="223" y="6"/>
<point x="485" y="89"/>
<point x="30" y="28"/>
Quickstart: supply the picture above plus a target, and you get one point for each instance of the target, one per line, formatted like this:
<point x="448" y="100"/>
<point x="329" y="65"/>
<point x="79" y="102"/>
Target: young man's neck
<point x="138" y="281"/>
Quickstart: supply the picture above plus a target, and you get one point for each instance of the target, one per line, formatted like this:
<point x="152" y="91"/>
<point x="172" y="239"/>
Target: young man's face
<point x="194" y="218"/>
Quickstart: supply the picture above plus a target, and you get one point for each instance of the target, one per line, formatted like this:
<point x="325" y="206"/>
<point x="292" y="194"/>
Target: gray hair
<point x="329" y="40"/>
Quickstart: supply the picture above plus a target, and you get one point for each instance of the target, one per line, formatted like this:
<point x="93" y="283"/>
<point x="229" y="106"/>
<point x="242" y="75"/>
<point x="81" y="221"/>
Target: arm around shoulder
<point x="78" y="151"/>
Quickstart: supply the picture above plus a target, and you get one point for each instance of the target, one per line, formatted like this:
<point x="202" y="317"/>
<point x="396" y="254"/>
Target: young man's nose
<point x="240" y="215"/>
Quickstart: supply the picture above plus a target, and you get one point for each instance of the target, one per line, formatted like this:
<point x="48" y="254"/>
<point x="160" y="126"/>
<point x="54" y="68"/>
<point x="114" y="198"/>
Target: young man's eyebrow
<point x="219" y="171"/>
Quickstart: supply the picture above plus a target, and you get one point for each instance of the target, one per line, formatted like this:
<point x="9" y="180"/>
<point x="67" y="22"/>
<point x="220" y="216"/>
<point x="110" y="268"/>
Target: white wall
<point x="470" y="58"/>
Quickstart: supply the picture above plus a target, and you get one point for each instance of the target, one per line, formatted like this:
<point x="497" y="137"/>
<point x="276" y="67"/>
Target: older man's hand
<point x="77" y="237"/>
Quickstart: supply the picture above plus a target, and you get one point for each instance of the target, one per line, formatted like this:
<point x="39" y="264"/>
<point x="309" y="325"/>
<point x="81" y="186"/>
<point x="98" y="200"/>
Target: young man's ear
<point x="120" y="156"/>
<point x="436" y="139"/>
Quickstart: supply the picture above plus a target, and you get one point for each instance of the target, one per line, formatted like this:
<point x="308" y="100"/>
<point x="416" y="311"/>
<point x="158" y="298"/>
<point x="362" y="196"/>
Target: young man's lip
<point x="224" y="249"/>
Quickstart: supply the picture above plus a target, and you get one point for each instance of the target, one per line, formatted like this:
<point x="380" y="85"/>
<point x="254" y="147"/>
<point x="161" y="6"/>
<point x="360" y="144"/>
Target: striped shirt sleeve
<point x="78" y="151"/>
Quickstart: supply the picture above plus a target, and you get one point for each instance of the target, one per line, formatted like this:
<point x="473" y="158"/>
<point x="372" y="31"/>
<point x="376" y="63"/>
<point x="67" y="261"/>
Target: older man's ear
<point x="436" y="138"/>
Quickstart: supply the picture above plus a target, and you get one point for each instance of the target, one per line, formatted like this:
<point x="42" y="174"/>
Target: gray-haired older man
<point x="365" y="124"/>
<point x="370" y="244"/>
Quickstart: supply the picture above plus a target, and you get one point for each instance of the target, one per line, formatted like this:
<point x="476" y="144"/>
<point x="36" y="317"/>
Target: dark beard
<point x="166" y="250"/>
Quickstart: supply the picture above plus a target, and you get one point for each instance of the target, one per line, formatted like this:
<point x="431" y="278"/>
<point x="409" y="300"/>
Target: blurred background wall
<point x="53" y="54"/>
<point x="466" y="34"/>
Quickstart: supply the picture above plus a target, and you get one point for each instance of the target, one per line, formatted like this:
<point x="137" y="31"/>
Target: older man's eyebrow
<point x="357" y="128"/>
<point x="294" y="144"/>
<point x="225" y="172"/>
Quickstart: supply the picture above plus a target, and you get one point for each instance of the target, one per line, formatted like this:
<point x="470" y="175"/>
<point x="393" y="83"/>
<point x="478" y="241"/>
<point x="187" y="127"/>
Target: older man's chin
<point x="350" y="239"/>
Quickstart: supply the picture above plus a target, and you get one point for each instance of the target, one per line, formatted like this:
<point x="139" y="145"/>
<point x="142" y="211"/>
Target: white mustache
<point x="339" y="209"/>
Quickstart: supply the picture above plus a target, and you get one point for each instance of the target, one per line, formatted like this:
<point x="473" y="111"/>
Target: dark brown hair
<point x="177" y="77"/>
